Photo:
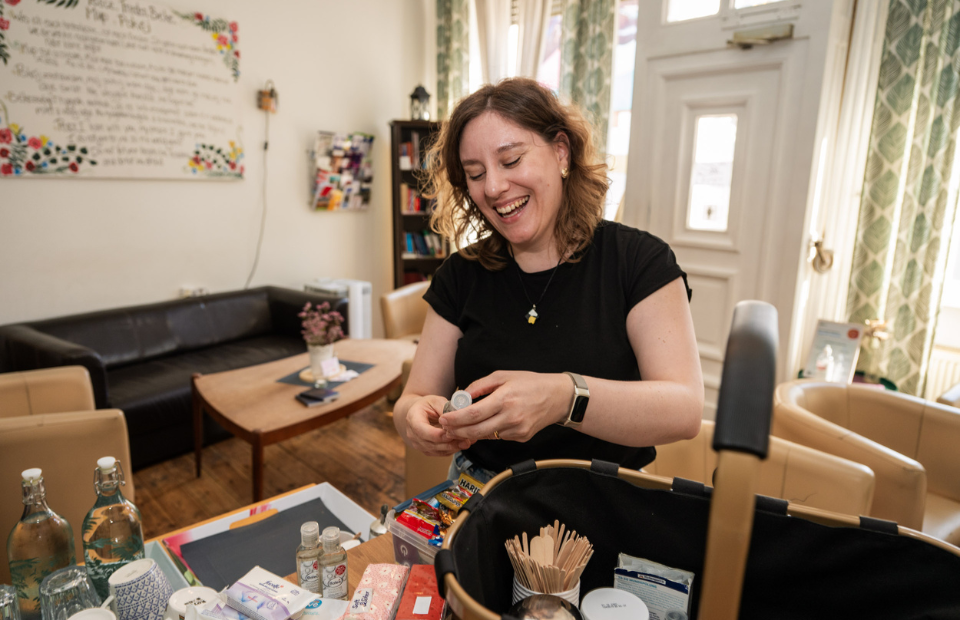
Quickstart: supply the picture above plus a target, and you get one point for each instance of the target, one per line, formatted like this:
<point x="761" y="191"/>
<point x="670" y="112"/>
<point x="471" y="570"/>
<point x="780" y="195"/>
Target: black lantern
<point x="420" y="104"/>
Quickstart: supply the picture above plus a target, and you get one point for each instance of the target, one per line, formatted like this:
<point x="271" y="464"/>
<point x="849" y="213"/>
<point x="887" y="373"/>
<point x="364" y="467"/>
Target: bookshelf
<point x="417" y="251"/>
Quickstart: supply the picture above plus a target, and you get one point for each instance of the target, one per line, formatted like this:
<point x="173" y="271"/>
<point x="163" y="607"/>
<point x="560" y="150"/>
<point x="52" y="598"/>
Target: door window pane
<point x="680" y="10"/>
<point x="711" y="173"/>
<point x="743" y="4"/>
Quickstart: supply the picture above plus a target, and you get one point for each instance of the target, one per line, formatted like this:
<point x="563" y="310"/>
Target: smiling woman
<point x="572" y="335"/>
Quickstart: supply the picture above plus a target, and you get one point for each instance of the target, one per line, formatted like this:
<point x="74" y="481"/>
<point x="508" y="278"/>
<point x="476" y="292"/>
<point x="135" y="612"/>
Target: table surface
<point x="253" y="399"/>
<point x="376" y="551"/>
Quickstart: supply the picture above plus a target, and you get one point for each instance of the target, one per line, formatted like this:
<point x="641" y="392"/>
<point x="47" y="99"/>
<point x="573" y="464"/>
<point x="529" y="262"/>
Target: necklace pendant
<point x="532" y="315"/>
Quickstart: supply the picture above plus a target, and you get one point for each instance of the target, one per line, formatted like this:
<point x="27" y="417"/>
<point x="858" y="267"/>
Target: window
<point x="621" y="104"/>
<point x="682" y="10"/>
<point x="708" y="205"/>
<point x="548" y="73"/>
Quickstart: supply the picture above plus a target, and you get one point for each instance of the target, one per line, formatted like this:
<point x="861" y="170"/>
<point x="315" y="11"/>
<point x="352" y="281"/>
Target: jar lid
<point x="613" y="604"/>
<point x="29" y="475"/>
<point x="106" y="463"/>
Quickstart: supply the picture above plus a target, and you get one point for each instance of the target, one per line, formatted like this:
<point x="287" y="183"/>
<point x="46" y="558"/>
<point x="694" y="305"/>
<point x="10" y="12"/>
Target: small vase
<point x="319" y="353"/>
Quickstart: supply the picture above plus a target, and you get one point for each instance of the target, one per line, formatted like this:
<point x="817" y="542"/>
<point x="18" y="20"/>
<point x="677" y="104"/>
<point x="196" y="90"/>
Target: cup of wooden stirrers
<point x="549" y="563"/>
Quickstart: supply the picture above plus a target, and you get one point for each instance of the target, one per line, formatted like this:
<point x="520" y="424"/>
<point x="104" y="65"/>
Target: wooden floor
<point x="361" y="455"/>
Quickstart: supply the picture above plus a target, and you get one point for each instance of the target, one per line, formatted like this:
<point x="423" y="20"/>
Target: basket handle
<point x="749" y="378"/>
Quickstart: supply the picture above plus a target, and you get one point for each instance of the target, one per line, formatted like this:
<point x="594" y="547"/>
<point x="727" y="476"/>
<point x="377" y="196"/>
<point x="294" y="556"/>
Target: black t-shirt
<point x="581" y="328"/>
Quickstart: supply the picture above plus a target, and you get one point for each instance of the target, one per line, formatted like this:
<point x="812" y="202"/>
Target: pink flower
<point x="237" y="53"/>
<point x="208" y="164"/>
<point x="234" y="38"/>
<point x="241" y="170"/>
<point x="233" y="25"/>
<point x="4" y="24"/>
<point x="13" y="2"/>
<point x="321" y="327"/>
<point x="222" y="40"/>
<point x="233" y="165"/>
<point x="6" y="136"/>
<point x="35" y="143"/>
<point x="6" y="169"/>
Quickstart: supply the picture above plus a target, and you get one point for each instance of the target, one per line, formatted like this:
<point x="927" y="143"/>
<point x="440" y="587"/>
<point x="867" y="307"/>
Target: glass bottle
<point x="333" y="565"/>
<point x="112" y="535"/>
<point x="40" y="543"/>
<point x="308" y="557"/>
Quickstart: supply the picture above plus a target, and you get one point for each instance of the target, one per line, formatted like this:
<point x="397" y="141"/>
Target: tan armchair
<point x="404" y="311"/>
<point x="909" y="443"/>
<point x="48" y="420"/>
<point x="792" y="472"/>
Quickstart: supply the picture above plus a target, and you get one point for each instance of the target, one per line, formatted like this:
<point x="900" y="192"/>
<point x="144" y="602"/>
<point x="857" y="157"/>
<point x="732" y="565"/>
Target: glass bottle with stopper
<point x="40" y="543"/>
<point x="112" y="532"/>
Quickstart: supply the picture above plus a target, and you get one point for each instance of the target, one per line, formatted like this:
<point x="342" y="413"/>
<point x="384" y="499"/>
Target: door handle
<point x="822" y="258"/>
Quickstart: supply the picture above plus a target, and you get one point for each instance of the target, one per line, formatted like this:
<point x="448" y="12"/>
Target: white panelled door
<point x="724" y="154"/>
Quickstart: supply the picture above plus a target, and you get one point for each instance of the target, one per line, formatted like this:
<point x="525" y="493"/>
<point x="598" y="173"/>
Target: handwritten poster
<point x="118" y="89"/>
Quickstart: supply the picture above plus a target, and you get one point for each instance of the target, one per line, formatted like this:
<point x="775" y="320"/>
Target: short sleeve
<point x="442" y="294"/>
<point x="650" y="265"/>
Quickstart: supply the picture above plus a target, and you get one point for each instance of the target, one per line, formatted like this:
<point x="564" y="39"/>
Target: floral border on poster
<point x="224" y="34"/>
<point x="5" y="23"/>
<point x="211" y="161"/>
<point x="23" y="154"/>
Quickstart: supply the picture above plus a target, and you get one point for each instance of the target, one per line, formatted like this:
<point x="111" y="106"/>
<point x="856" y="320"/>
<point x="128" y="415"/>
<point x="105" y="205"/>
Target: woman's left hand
<point x="517" y="405"/>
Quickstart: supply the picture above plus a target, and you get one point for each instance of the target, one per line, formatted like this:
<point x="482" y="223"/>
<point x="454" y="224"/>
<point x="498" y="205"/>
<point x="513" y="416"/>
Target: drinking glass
<point x="9" y="609"/>
<point x="66" y="592"/>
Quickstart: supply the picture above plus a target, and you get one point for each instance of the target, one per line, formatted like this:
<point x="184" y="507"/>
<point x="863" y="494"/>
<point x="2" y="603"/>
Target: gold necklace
<point x="532" y="316"/>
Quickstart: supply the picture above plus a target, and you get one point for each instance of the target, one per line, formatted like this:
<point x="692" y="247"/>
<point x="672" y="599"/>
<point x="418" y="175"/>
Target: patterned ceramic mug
<point x="139" y="591"/>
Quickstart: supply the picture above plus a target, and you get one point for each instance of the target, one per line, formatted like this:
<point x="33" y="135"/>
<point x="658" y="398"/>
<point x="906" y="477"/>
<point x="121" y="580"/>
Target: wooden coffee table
<point x="253" y="405"/>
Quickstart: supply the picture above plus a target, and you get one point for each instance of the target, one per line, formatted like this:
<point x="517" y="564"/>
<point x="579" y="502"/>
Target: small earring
<point x="563" y="173"/>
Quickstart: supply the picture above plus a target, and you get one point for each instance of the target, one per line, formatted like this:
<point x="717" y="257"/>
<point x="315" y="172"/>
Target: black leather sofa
<point x="141" y="358"/>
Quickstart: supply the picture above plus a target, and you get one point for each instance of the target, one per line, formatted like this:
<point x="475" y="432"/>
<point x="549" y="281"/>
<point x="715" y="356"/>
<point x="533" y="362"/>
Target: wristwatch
<point x="578" y="406"/>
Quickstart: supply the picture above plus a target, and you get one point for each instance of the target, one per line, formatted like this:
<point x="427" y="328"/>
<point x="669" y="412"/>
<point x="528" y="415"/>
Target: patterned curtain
<point x="586" y="62"/>
<point x="902" y="240"/>
<point x="453" y="54"/>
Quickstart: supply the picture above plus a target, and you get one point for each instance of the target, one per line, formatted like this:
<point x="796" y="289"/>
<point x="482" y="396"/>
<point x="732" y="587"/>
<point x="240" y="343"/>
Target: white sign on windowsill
<point x="834" y="351"/>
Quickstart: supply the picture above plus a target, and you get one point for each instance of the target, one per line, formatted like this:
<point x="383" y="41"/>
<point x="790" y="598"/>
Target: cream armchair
<point x="404" y="312"/>
<point x="48" y="420"/>
<point x="796" y="473"/>
<point x="909" y="443"/>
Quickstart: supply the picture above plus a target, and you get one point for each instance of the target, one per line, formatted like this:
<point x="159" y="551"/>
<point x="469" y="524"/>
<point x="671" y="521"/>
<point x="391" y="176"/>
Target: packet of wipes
<point x="261" y="595"/>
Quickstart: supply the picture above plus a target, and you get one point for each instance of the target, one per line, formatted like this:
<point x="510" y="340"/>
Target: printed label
<point x="361" y="600"/>
<point x="310" y="576"/>
<point x="335" y="581"/>
<point x="422" y="606"/>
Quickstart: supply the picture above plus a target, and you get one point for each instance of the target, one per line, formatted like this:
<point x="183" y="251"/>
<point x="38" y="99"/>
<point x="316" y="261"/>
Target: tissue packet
<point x="660" y="587"/>
<point x="378" y="593"/>
<point x="325" y="609"/>
<point x="261" y="595"/>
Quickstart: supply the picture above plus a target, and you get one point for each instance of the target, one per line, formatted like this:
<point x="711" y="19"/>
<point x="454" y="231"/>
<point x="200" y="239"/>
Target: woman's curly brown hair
<point x="536" y="108"/>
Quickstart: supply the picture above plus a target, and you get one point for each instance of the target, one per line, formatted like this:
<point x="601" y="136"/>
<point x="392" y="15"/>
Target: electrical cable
<point x="263" y="213"/>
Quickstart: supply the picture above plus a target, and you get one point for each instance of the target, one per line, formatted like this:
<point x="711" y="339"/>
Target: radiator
<point x="944" y="371"/>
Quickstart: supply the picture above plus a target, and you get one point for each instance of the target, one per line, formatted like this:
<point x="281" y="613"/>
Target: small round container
<point x="520" y="592"/>
<point x="613" y="604"/>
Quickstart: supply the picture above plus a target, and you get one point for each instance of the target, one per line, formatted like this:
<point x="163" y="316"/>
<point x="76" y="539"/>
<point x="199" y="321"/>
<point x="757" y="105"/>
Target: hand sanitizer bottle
<point x="308" y="557"/>
<point x="333" y="565"/>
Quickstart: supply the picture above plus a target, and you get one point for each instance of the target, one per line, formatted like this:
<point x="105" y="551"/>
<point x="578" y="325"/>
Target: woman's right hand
<point x="423" y="428"/>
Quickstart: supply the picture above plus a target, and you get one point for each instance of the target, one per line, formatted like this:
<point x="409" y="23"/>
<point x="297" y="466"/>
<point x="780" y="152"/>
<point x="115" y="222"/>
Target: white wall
<point x="75" y="245"/>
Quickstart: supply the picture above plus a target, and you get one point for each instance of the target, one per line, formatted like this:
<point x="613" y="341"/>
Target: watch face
<point x="579" y="409"/>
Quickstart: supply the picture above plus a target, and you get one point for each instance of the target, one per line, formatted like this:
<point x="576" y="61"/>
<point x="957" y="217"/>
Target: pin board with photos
<point x="118" y="89"/>
<point x="343" y="171"/>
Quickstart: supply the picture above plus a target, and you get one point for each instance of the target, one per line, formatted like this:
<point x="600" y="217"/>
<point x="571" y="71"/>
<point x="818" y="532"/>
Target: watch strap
<point x="581" y="397"/>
